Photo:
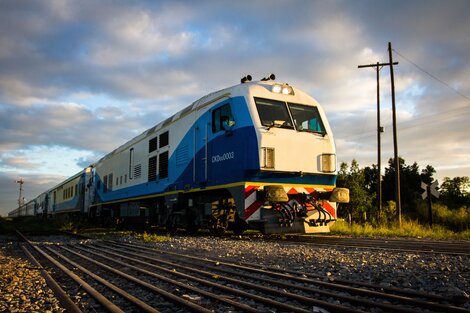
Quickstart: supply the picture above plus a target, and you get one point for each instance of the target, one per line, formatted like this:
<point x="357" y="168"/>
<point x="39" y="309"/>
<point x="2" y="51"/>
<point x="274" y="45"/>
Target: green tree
<point x="410" y="185"/>
<point x="426" y="174"/>
<point x="454" y="192"/>
<point x="360" y="205"/>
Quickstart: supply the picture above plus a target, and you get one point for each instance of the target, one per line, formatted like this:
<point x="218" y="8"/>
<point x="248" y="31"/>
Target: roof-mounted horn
<point x="245" y="79"/>
<point x="269" y="77"/>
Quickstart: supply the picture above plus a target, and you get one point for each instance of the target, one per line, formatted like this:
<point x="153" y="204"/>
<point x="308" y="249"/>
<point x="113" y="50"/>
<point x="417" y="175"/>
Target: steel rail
<point x="247" y="265"/>
<point x="238" y="292"/>
<point x="363" y="292"/>
<point x="354" y="290"/>
<point x="190" y="305"/>
<point x="405" y="292"/>
<point x="107" y="305"/>
<point x="61" y="295"/>
<point x="322" y="292"/>
<point x="411" y="245"/>
<point x="162" y="278"/>
<point x="136" y="301"/>
<point x="267" y="290"/>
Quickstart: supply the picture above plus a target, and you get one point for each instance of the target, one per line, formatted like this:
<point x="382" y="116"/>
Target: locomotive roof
<point x="207" y="99"/>
<point x="239" y="89"/>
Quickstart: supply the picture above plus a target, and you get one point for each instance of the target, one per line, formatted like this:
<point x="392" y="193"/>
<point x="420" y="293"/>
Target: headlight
<point x="267" y="157"/>
<point x="287" y="90"/>
<point x="276" y="88"/>
<point x="284" y="89"/>
<point x="328" y="163"/>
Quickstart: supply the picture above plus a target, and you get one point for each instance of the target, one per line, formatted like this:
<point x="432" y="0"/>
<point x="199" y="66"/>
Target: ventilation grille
<point x="163" y="165"/>
<point x="152" y="173"/>
<point x="137" y="171"/>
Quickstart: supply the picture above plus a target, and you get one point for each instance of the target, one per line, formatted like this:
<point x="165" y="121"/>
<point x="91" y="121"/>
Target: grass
<point x="409" y="229"/>
<point x="112" y="234"/>
<point x="30" y="224"/>
<point x="145" y="237"/>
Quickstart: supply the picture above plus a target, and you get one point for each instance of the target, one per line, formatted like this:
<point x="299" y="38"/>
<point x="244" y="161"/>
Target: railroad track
<point x="123" y="277"/>
<point x="401" y="245"/>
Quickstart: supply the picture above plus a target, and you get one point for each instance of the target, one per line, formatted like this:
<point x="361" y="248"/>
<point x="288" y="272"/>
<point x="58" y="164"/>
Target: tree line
<point x="363" y="208"/>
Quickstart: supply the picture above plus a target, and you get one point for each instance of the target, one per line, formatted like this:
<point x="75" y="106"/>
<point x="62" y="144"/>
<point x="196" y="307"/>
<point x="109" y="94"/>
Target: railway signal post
<point x="20" y="198"/>
<point x="429" y="191"/>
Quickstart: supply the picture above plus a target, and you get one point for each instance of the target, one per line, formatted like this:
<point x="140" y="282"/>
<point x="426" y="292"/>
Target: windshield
<point x="306" y="118"/>
<point x="273" y="113"/>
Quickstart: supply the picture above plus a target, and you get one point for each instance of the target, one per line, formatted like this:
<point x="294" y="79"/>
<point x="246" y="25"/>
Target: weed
<point x="409" y="228"/>
<point x="145" y="237"/>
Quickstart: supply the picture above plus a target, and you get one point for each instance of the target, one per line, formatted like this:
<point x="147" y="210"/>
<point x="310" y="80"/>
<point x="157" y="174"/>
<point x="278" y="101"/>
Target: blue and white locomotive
<point x="256" y="155"/>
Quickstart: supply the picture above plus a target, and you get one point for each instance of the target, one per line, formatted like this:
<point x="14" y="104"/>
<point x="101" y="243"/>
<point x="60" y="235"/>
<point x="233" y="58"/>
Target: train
<point x="257" y="155"/>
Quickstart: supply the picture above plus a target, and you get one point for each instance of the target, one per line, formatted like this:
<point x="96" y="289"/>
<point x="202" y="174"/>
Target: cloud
<point x="33" y="186"/>
<point x="80" y="78"/>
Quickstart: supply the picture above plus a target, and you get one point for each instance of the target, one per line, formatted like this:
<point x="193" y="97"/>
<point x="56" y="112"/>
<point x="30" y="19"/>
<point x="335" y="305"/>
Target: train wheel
<point x="191" y="228"/>
<point x="171" y="227"/>
<point x="238" y="230"/>
<point x="217" y="226"/>
<point x="239" y="226"/>
<point x="218" y="231"/>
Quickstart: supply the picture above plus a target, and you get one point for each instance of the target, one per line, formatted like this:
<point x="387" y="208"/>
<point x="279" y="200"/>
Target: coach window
<point x="222" y="118"/>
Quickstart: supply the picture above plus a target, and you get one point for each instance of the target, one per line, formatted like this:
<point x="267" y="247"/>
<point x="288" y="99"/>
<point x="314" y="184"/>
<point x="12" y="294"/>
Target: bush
<point x="456" y="220"/>
<point x="409" y="229"/>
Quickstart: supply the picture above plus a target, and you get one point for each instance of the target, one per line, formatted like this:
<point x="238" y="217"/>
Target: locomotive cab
<point x="297" y="162"/>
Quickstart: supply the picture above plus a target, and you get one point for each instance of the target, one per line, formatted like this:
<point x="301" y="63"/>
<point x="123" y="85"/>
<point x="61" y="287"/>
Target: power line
<point x="433" y="76"/>
<point x="415" y="122"/>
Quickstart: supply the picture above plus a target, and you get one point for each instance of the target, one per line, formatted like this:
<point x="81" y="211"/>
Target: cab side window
<point x="222" y="118"/>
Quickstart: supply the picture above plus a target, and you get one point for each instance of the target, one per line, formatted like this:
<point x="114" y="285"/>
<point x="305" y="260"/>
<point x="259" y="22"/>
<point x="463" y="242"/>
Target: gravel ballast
<point x="24" y="290"/>
<point x="441" y="274"/>
<point x="22" y="287"/>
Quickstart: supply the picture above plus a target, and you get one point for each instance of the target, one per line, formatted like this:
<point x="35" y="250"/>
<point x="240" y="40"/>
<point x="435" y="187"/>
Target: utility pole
<point x="378" y="66"/>
<point x="395" y="140"/>
<point x="20" y="198"/>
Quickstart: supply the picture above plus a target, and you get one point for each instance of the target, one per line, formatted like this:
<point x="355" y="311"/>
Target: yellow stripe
<point x="65" y="211"/>
<point x="259" y="184"/>
<point x="244" y="184"/>
<point x="171" y="193"/>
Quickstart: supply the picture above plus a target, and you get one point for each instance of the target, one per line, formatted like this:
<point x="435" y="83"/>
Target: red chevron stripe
<point x="329" y="208"/>
<point x="252" y="209"/>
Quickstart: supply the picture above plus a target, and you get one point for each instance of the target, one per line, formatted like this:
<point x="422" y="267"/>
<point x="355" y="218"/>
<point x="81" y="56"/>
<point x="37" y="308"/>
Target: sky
<point x="80" y="78"/>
